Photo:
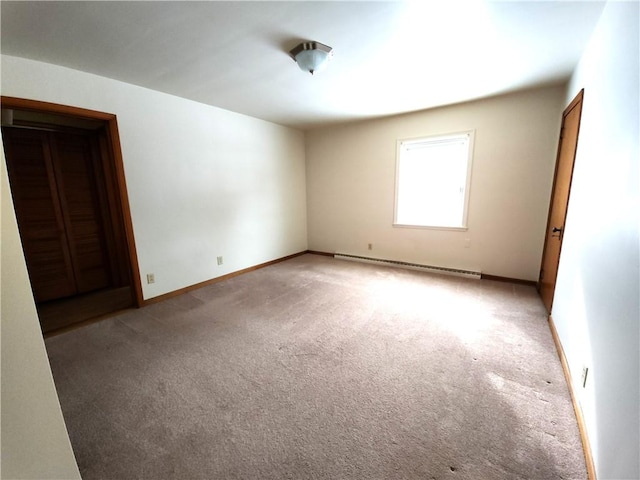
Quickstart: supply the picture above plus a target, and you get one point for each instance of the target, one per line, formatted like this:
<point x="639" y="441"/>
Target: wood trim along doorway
<point x="563" y="175"/>
<point x="108" y="155"/>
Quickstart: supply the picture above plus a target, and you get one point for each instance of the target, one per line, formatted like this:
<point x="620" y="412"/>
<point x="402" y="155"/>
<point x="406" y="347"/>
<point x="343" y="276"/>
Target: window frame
<point x="467" y="194"/>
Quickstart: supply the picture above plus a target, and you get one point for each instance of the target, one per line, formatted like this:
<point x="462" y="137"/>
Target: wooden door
<point x="76" y="170"/>
<point x="36" y="200"/>
<point x="61" y="214"/>
<point x="559" y="200"/>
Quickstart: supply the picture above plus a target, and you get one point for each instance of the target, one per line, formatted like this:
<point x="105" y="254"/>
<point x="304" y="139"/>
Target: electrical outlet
<point x="220" y="261"/>
<point x="151" y="278"/>
<point x="467" y="242"/>
<point x="370" y="246"/>
<point x="585" y="372"/>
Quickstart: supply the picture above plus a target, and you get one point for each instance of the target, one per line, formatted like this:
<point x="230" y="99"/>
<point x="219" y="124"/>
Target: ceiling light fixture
<point x="311" y="56"/>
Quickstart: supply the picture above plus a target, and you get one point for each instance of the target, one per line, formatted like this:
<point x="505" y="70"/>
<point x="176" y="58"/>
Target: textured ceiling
<point x="389" y="57"/>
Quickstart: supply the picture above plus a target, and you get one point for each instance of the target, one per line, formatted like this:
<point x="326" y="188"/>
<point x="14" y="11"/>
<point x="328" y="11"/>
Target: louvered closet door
<point x="60" y="214"/>
<point x="76" y="170"/>
<point x="40" y="219"/>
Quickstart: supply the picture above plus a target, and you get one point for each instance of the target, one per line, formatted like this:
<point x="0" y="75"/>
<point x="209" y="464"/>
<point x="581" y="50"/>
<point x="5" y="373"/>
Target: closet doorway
<point x="67" y="185"/>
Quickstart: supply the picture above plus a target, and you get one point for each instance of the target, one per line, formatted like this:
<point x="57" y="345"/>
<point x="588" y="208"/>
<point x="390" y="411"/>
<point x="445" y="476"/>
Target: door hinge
<point x="541" y="274"/>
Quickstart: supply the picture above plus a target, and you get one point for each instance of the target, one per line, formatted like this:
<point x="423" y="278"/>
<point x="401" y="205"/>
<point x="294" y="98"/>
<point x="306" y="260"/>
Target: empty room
<point x="320" y="239"/>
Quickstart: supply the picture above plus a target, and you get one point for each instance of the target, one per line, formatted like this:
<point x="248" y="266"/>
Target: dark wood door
<point x="55" y="182"/>
<point x="36" y="200"/>
<point x="559" y="200"/>
<point x="84" y="211"/>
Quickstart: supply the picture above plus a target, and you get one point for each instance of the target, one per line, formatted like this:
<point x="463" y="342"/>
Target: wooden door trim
<point x="113" y="139"/>
<point x="578" y="99"/>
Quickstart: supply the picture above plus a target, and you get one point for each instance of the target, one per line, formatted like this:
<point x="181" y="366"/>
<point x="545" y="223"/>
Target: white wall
<point x="202" y="182"/>
<point x="596" y="305"/>
<point x="351" y="182"/>
<point x="33" y="437"/>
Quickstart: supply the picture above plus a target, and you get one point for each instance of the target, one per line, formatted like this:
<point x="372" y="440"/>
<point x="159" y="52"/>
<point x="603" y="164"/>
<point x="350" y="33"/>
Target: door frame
<point x="577" y="100"/>
<point x="114" y="157"/>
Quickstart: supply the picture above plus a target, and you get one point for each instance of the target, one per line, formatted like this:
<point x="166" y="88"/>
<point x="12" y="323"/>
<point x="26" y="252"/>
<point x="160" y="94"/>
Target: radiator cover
<point x="410" y="266"/>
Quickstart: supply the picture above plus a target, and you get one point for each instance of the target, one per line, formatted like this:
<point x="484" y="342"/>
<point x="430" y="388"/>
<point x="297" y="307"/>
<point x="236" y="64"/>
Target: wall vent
<point x="411" y="266"/>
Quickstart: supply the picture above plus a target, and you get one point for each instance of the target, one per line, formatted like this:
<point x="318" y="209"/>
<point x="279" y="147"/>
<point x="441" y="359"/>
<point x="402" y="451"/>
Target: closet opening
<point x="69" y="193"/>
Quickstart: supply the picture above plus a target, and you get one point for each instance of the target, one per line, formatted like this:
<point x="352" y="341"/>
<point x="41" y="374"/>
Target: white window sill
<point x="429" y="227"/>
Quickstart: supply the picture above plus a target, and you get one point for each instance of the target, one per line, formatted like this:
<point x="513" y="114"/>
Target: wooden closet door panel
<point x="116" y="235"/>
<point x="75" y="165"/>
<point x="38" y="212"/>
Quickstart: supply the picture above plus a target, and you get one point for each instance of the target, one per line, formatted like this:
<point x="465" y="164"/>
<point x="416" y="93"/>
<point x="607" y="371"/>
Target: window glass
<point x="432" y="181"/>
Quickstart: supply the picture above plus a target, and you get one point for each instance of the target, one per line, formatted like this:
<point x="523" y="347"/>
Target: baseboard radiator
<point x="411" y="266"/>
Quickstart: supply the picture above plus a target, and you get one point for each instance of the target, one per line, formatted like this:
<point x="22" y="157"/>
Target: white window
<point x="433" y="175"/>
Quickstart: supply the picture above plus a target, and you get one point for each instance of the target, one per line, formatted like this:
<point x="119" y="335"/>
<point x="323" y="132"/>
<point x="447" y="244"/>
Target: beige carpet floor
<point x="318" y="368"/>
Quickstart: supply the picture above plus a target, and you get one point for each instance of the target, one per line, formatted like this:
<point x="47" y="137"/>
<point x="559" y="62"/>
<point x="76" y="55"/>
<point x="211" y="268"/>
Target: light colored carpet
<point x="319" y="368"/>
